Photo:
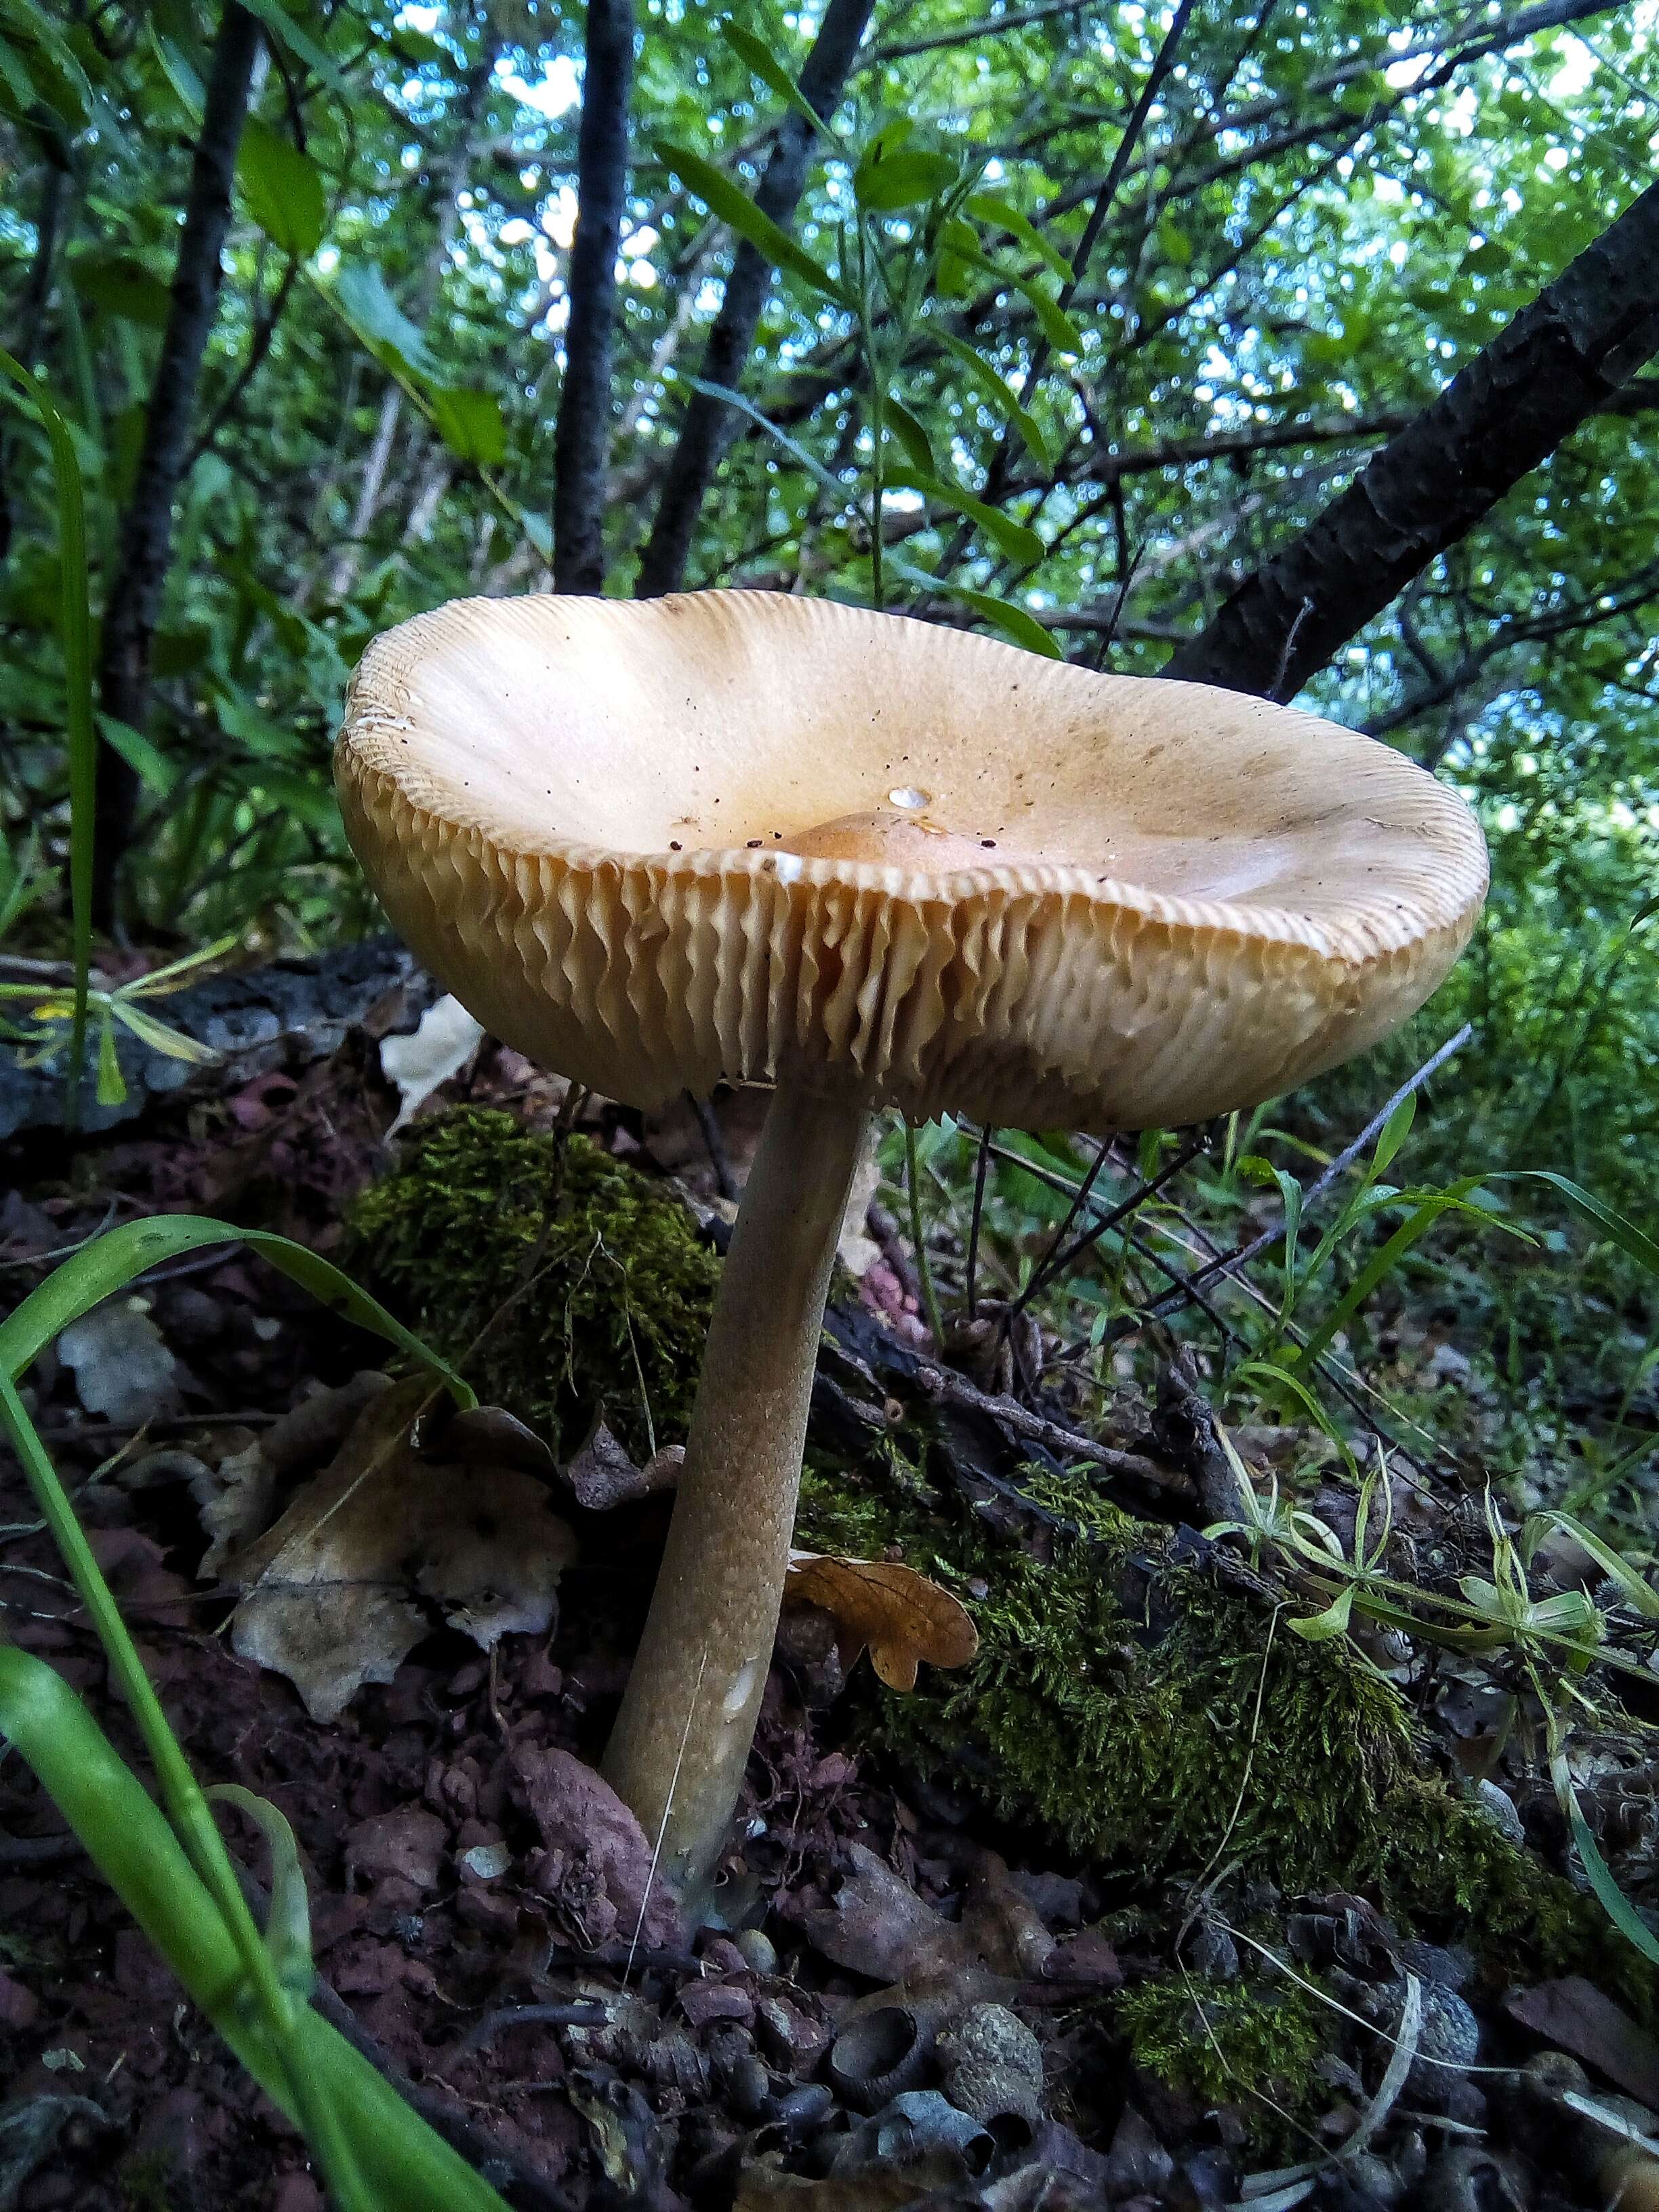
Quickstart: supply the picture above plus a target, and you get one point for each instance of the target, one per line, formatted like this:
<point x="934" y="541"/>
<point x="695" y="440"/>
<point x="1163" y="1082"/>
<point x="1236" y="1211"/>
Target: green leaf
<point x="840" y="492"/>
<point x="181" y="72"/>
<point x="1174" y="243"/>
<point x="735" y="208"/>
<point x="284" y="189"/>
<point x="902" y="180"/>
<point x="1395" y="1130"/>
<point x="1010" y="537"/>
<point x="758" y="57"/>
<point x="123" y="287"/>
<point x="299" y="43"/>
<point x="159" y="1037"/>
<point x="997" y="396"/>
<point x="1062" y="332"/>
<point x="471" y="423"/>
<point x="16" y="78"/>
<point x="1016" y="624"/>
<point x="57" y="74"/>
<point x="98" y="1270"/>
<point x="1321" y="1627"/>
<point x="911" y="434"/>
<point x="958" y="238"/>
<point x="308" y="799"/>
<point x="991" y="207"/>
<point x="1613" y="1900"/>
<point x="1613" y="1224"/>
<point x="1454" y="1199"/>
<point x="128" y="1840"/>
<point x="111" y="1088"/>
<point x="359" y="290"/>
<point x="288" y="1926"/>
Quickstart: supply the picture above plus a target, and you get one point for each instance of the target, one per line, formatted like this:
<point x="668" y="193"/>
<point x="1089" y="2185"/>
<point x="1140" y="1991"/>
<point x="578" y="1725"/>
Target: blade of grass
<point x="75" y="638"/>
<point x="112" y="1261"/>
<point x="187" y="1809"/>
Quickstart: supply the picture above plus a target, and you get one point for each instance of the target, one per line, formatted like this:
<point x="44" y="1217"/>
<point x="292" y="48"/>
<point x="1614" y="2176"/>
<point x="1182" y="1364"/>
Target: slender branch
<point x="144" y="541"/>
<point x="981" y="27"/>
<point x="582" y="444"/>
<point x="1556" y="363"/>
<point x="708" y="427"/>
<point x="265" y="331"/>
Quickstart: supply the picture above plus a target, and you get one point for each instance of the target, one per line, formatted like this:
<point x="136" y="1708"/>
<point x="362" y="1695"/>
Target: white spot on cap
<point x="909" y="798"/>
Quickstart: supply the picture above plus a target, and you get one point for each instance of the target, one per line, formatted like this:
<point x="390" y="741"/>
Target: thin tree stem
<point x="582" y="446"/>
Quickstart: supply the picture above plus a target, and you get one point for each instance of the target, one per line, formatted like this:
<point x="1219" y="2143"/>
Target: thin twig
<point x="986" y="1136"/>
<point x="1229" y="1263"/>
<point x="1052" y="1269"/>
<point x="946" y="1388"/>
<point x="924" y="1267"/>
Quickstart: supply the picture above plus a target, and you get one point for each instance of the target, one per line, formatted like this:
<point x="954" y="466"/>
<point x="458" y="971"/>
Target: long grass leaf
<point x="111" y="1262"/>
<point x="405" y="2166"/>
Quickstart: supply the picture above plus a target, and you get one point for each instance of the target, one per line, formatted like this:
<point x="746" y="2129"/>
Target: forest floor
<point x="1157" y="1905"/>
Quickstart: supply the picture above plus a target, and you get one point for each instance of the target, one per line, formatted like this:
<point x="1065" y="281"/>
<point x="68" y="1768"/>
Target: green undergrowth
<point x="565" y="1294"/>
<point x="1161" y="1723"/>
<point x="1149" y="1716"/>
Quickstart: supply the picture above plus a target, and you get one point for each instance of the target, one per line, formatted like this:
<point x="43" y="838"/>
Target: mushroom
<point x="736" y="836"/>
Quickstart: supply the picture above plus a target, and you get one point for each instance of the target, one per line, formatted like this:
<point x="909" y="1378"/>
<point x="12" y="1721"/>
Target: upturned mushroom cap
<point x="738" y="836"/>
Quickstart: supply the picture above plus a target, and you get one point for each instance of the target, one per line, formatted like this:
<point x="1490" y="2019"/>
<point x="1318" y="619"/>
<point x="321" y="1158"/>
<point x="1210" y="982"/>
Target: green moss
<point x="145" y="2182"/>
<point x="614" y="1284"/>
<point x="1151" y="1742"/>
<point x="1233" y="2042"/>
<point x="1446" y="1865"/>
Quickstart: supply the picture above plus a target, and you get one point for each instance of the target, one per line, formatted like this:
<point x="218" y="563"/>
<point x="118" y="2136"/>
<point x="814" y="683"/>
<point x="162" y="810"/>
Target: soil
<point x="474" y="1887"/>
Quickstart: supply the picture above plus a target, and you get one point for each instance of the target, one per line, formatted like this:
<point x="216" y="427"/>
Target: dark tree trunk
<point x="145" y="540"/>
<point x="709" y="427"/>
<point x="582" y="446"/>
<point x="1558" y="361"/>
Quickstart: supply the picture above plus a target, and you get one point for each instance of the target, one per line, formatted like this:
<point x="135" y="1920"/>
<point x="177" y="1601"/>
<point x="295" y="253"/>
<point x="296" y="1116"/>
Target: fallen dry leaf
<point x="334" y="1589"/>
<point x="901" y="1616"/>
<point x="878" y="1926"/>
<point x="763" y="2185"/>
<point x="440" y="1047"/>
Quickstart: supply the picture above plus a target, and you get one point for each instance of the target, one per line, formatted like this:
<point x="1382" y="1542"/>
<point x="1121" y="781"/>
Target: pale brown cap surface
<point x="738" y="836"/>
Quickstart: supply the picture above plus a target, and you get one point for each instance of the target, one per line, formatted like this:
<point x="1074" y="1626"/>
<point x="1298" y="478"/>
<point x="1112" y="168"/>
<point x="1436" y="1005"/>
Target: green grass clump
<point x="610" y="1285"/>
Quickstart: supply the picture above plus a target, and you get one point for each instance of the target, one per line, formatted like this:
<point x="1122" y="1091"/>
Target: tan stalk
<point x="721" y="1583"/>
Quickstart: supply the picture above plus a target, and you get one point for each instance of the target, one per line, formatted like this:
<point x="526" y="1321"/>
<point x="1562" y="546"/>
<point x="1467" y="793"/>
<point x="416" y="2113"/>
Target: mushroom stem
<point x="678" y="1753"/>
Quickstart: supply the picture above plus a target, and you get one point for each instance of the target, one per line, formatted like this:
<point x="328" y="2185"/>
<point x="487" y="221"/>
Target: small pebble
<point x="757" y="1950"/>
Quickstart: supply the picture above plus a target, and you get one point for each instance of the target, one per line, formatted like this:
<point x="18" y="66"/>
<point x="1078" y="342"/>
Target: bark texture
<point x="145" y="538"/>
<point x="1559" y="360"/>
<point x="581" y="447"/>
<point x="709" y="427"/>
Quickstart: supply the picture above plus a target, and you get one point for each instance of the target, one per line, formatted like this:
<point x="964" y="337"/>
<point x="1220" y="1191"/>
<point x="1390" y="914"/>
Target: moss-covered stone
<point x="563" y="1288"/>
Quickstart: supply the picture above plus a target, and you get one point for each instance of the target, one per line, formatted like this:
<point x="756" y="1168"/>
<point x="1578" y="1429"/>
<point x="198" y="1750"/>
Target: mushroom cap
<point x="741" y="837"/>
